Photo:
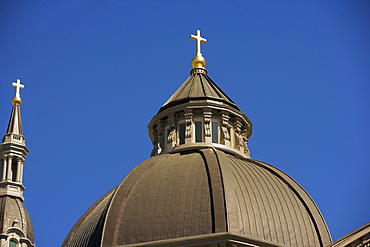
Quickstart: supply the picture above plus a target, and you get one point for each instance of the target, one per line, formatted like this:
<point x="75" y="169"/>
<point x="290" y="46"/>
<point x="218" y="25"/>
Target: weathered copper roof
<point x="173" y="196"/>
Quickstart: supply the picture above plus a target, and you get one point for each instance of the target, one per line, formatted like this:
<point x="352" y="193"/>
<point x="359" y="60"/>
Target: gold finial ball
<point x="198" y="62"/>
<point x="17" y="100"/>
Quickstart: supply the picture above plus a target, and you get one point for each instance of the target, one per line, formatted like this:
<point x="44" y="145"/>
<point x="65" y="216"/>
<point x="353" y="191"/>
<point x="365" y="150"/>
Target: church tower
<point x="15" y="224"/>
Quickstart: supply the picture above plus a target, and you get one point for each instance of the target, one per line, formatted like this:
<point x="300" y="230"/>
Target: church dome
<point x="200" y="187"/>
<point x="184" y="196"/>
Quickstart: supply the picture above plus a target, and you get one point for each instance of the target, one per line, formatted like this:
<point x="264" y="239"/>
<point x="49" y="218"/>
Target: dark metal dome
<point x="206" y="191"/>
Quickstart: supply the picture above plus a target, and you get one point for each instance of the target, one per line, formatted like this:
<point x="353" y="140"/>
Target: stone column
<point x="3" y="175"/>
<point x="10" y="174"/>
<point x="20" y="163"/>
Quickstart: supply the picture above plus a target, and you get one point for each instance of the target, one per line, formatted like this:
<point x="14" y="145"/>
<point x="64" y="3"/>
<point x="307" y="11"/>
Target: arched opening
<point x="13" y="243"/>
<point x="14" y="170"/>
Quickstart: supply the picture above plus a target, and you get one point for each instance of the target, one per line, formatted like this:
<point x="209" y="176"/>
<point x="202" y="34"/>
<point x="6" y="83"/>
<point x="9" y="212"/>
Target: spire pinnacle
<point x="13" y="151"/>
<point x="17" y="98"/>
<point x="198" y="61"/>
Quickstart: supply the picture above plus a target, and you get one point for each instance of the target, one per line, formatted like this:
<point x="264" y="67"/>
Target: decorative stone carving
<point x="241" y="138"/>
<point x="171" y="138"/>
<point x="160" y="131"/>
<point x="189" y="123"/>
<point x="154" y="142"/>
<point x="245" y="142"/>
<point x="225" y="131"/>
<point x="238" y="139"/>
<point x="207" y="123"/>
<point x="157" y="138"/>
<point x="172" y="133"/>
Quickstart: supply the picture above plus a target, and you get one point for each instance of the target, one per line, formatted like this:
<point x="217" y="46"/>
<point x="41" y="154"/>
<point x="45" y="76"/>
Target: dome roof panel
<point x="198" y="85"/>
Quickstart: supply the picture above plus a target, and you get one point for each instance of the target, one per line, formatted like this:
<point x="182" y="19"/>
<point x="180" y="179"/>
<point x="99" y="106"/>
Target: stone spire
<point x="15" y="224"/>
<point x="199" y="114"/>
<point x="13" y="151"/>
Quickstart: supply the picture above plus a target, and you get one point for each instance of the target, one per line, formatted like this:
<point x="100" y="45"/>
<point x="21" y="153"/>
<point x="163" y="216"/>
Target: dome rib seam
<point x="223" y="187"/>
<point x="219" y="219"/>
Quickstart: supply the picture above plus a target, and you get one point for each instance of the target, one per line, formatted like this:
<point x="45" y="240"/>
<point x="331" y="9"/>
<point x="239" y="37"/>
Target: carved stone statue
<point x="171" y="138"/>
<point x="207" y="126"/>
<point x="188" y="131"/>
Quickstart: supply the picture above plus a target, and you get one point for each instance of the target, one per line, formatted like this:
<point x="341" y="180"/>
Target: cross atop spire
<point x="18" y="85"/>
<point x="17" y="98"/>
<point x="198" y="61"/>
<point x="198" y="39"/>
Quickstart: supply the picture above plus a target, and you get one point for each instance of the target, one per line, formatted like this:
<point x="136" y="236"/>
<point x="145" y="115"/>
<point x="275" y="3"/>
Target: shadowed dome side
<point x="88" y="229"/>
<point x="172" y="196"/>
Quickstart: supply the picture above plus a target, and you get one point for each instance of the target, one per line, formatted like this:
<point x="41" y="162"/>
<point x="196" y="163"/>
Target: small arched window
<point x="12" y="243"/>
<point x="14" y="170"/>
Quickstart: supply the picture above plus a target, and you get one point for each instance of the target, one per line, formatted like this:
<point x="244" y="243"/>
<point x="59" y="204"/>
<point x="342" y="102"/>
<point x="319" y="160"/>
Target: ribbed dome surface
<point x="199" y="85"/>
<point x="202" y="192"/>
<point x="12" y="209"/>
<point x="88" y="230"/>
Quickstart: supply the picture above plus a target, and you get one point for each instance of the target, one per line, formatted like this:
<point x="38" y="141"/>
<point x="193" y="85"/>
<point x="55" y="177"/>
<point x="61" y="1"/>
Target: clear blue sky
<point x="95" y="72"/>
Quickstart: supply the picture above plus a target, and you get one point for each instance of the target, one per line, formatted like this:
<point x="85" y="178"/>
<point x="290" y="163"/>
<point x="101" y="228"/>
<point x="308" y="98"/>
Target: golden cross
<point x="18" y="85"/>
<point x="198" y="39"/>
